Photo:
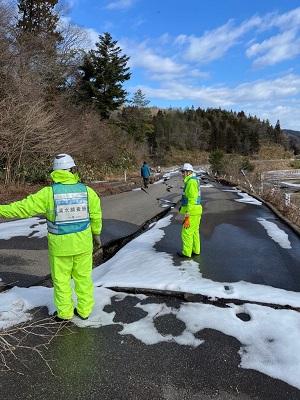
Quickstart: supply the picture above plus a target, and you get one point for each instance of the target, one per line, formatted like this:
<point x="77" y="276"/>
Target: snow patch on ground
<point x="267" y="346"/>
<point x="31" y="227"/>
<point x="246" y="198"/>
<point x="138" y="265"/>
<point x="277" y="234"/>
<point x="207" y="185"/>
<point x="158" y="182"/>
<point x="297" y="185"/>
<point x="171" y="173"/>
<point x="270" y="340"/>
<point x="16" y="303"/>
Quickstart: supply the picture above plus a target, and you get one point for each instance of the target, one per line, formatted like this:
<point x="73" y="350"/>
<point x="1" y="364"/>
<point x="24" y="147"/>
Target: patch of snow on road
<point x="15" y="304"/>
<point x="31" y="227"/>
<point x="158" y="182"/>
<point x="267" y="346"/>
<point x="171" y="173"/>
<point x="207" y="185"/>
<point x="136" y="189"/>
<point x="277" y="234"/>
<point x="297" y="185"/>
<point x="247" y="199"/>
<point x="139" y="265"/>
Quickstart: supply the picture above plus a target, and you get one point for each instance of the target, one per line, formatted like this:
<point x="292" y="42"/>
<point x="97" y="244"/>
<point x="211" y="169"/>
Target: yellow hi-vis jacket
<point x="42" y="203"/>
<point x="191" y="198"/>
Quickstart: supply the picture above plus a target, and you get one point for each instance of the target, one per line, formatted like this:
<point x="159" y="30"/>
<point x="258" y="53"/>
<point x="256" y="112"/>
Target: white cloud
<point x="278" y="48"/>
<point x="93" y="37"/>
<point x="262" y="90"/>
<point x="159" y="67"/>
<point x="273" y="99"/>
<point x="288" y="20"/>
<point x="144" y="57"/>
<point x="120" y="4"/>
<point x="282" y="46"/>
<point x="215" y="43"/>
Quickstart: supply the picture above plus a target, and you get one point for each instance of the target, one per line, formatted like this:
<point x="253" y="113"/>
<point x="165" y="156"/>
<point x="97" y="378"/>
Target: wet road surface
<point x="235" y="246"/>
<point x="101" y="364"/>
<point x="92" y="364"/>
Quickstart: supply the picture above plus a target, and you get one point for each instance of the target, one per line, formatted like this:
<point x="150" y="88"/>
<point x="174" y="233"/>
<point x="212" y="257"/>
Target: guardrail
<point x="280" y="175"/>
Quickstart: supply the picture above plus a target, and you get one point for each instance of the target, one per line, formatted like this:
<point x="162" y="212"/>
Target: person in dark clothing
<point x="145" y="174"/>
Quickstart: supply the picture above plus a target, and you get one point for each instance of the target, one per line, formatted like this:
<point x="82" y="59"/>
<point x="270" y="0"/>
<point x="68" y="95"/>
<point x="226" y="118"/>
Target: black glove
<point x="97" y="241"/>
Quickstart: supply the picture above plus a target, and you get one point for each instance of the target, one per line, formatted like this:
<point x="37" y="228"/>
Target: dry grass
<point x="9" y="193"/>
<point x="272" y="151"/>
<point x="178" y="157"/>
<point x="276" y="198"/>
<point x="252" y="183"/>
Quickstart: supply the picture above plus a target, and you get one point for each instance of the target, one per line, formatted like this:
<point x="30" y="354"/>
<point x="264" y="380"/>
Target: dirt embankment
<point x="113" y="185"/>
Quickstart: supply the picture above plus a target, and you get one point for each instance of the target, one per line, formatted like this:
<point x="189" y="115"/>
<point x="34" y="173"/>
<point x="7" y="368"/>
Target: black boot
<point x="58" y="319"/>
<point x="78" y="315"/>
<point x="180" y="254"/>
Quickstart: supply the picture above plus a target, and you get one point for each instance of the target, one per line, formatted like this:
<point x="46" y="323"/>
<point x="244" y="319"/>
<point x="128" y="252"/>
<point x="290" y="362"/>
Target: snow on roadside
<point x="138" y="265"/>
<point x="277" y="234"/>
<point x="266" y="345"/>
<point x="246" y="198"/>
<point x="16" y="303"/>
<point x="31" y="227"/>
<point x="158" y="182"/>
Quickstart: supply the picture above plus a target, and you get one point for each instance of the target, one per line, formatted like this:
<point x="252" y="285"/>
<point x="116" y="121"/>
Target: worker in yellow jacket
<point x="74" y="222"/>
<point x="192" y="210"/>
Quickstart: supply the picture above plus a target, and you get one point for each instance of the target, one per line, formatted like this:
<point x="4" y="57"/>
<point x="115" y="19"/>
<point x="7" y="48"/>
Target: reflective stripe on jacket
<point x="42" y="203"/>
<point x="191" y="198"/>
<point x="71" y="211"/>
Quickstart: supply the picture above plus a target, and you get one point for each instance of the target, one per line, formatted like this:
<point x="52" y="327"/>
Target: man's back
<point x="145" y="171"/>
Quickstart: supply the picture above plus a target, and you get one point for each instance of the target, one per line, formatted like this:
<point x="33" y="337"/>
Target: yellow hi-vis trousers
<point x="191" y="237"/>
<point x="78" y="267"/>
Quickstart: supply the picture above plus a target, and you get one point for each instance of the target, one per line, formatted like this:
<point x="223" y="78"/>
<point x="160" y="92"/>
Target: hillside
<point x="294" y="139"/>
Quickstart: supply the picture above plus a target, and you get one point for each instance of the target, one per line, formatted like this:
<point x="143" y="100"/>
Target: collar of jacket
<point x="63" y="176"/>
<point x="187" y="178"/>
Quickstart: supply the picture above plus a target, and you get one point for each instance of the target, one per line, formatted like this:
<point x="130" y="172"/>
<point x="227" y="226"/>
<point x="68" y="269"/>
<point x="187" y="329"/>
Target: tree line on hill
<point x="56" y="96"/>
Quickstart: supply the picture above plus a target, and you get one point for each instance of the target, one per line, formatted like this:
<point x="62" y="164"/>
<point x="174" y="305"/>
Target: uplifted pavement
<point x="94" y="363"/>
<point x="24" y="260"/>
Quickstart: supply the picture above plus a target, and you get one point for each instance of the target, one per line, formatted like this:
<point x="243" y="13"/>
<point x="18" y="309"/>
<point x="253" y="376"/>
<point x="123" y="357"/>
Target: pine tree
<point x="103" y="73"/>
<point x="277" y="132"/>
<point x="38" y="17"/>
<point x="139" y="99"/>
<point x="137" y="119"/>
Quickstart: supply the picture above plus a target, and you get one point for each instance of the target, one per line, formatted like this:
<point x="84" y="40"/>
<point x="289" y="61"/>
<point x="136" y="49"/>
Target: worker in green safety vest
<point x="191" y="208"/>
<point x="74" y="222"/>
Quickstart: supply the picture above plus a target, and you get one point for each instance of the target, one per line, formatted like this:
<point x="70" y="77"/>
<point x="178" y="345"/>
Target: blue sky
<point x="234" y="54"/>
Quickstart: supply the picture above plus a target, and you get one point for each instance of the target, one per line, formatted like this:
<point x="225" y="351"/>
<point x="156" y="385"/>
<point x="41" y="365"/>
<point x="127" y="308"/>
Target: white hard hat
<point x="187" y="167"/>
<point x="63" y="161"/>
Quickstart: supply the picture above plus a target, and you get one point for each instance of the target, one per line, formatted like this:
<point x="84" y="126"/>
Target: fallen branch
<point x="34" y="337"/>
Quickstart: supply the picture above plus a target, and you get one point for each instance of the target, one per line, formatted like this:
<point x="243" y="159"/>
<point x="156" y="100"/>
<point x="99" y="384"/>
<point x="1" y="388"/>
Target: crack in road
<point x="200" y="298"/>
